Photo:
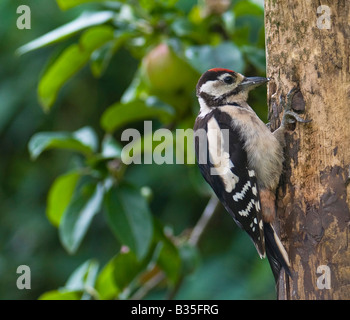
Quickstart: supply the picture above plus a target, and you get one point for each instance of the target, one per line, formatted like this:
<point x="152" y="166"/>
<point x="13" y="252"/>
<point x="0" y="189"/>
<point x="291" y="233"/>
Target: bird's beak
<point x="252" y="82"/>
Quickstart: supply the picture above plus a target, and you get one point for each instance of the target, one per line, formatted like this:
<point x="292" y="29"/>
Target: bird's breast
<point x="264" y="152"/>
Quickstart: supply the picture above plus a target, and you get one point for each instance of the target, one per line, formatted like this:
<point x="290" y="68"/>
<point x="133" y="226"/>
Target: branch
<point x="197" y="233"/>
<point x="203" y="221"/>
<point x="148" y="286"/>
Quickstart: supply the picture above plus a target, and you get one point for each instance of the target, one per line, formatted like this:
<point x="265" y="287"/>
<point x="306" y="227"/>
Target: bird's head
<point x="219" y="86"/>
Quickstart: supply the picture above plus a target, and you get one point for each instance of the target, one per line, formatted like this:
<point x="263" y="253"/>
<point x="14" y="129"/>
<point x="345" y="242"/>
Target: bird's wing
<point x="227" y="172"/>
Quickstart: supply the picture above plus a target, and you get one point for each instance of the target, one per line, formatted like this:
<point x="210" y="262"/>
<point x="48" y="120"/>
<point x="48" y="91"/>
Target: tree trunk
<point x="308" y="45"/>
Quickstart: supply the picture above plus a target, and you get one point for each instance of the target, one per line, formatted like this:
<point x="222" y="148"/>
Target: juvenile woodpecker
<point x="240" y="158"/>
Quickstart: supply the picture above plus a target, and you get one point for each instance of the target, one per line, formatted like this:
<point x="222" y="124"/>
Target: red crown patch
<point x="220" y="69"/>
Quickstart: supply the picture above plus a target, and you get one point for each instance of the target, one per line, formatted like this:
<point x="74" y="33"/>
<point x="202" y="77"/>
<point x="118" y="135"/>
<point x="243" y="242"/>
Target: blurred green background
<point x="88" y="226"/>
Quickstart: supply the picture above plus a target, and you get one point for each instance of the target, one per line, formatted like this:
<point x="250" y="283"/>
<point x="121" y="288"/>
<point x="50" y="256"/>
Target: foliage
<point x="165" y="41"/>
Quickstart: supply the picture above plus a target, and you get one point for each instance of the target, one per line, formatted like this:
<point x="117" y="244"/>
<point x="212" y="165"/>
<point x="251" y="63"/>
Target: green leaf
<point x="111" y="148"/>
<point x="229" y="22"/>
<point x="182" y="27"/>
<point x="70" y="62"/>
<point x="252" y="8"/>
<point x="126" y="268"/>
<point x="189" y="257"/>
<point x="169" y="259"/>
<point x="86" y="19"/>
<point x="79" y="285"/>
<point x="68" y="4"/>
<point x="83" y="278"/>
<point x="130" y="218"/>
<point x="255" y="56"/>
<point x="225" y="55"/>
<point x="120" y="272"/>
<point x="260" y="3"/>
<point x="60" y="195"/>
<point x="120" y="114"/>
<point x="87" y="137"/>
<point x="95" y="37"/>
<point x="61" y="294"/>
<point x="105" y="284"/>
<point x="137" y="90"/>
<point x="83" y="140"/>
<point x="101" y="57"/>
<point x="249" y="23"/>
<point x="77" y="217"/>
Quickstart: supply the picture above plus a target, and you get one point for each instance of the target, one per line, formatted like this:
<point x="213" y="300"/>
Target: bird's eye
<point x="228" y="80"/>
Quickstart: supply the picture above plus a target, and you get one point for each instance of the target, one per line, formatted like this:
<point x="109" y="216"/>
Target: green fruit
<point x="165" y="72"/>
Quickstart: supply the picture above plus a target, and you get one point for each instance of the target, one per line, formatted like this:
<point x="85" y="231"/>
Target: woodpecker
<point x="240" y="158"/>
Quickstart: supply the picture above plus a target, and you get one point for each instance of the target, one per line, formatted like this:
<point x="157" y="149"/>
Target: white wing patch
<point x="220" y="157"/>
<point x="253" y="224"/>
<point x="247" y="210"/>
<point x="254" y="190"/>
<point x="257" y="205"/>
<point x="240" y="195"/>
<point x="251" y="173"/>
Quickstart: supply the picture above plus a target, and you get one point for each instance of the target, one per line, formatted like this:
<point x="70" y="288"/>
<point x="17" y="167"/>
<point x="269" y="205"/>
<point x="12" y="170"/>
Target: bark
<point x="313" y="197"/>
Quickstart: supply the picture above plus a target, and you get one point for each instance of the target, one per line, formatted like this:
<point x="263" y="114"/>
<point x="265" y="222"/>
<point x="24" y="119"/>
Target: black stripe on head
<point x="213" y="102"/>
<point x="212" y="75"/>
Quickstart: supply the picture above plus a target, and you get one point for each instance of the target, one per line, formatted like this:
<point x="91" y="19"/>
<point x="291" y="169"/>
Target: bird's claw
<point x="289" y="116"/>
<point x="292" y="117"/>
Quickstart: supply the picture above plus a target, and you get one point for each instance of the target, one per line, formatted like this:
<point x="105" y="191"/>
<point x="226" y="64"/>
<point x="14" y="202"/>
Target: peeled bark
<point x="308" y="50"/>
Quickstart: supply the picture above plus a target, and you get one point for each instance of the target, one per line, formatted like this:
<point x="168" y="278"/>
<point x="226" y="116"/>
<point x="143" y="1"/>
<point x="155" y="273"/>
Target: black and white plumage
<point x="240" y="158"/>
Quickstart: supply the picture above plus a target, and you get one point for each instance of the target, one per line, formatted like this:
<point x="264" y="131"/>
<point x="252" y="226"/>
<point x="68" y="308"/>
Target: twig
<point x="203" y="221"/>
<point x="148" y="286"/>
<point x="196" y="235"/>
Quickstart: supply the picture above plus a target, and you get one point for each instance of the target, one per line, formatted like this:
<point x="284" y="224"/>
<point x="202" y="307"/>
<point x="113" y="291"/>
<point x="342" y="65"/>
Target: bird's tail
<point x="275" y="252"/>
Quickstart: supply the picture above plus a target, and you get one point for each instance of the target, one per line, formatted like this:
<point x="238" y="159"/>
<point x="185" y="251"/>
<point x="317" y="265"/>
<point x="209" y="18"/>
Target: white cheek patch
<point x="214" y="88"/>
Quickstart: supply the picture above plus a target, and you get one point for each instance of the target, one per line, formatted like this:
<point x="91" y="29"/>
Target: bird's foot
<point x="290" y="116"/>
